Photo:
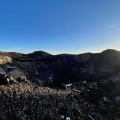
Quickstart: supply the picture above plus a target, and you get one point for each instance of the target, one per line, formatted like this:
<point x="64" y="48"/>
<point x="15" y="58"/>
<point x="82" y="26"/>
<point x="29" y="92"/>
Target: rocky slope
<point x="67" y="68"/>
<point x="25" y="97"/>
<point x="4" y="58"/>
<point x="83" y="101"/>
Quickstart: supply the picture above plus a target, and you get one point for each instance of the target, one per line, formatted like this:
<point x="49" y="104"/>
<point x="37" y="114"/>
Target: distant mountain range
<point x="66" y="68"/>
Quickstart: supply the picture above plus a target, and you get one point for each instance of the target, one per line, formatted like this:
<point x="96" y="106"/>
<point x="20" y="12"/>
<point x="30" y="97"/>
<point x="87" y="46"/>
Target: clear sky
<point x="59" y="26"/>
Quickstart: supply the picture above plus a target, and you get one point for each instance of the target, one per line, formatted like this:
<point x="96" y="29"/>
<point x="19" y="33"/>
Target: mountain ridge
<point x="67" y="68"/>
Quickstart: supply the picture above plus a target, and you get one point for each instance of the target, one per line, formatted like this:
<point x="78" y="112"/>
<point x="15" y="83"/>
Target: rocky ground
<point x="25" y="94"/>
<point x="83" y="101"/>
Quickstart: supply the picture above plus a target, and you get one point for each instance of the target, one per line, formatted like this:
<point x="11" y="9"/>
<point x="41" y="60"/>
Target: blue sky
<point x="59" y="26"/>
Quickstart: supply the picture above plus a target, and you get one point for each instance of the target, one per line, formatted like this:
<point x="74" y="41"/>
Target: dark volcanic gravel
<point x="30" y="102"/>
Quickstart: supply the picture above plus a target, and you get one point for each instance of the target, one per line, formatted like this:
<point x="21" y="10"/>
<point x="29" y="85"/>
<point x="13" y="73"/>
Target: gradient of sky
<point x="59" y="26"/>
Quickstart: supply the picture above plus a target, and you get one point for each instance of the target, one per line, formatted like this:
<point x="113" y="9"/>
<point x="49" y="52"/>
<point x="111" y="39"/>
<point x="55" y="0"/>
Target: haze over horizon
<point x="59" y="26"/>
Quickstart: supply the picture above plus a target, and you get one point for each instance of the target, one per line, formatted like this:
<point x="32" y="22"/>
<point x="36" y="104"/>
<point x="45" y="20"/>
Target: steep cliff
<point x="67" y="68"/>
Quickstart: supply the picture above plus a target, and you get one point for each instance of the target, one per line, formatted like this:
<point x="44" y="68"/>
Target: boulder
<point x="117" y="100"/>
